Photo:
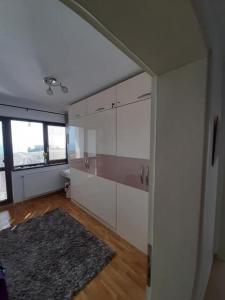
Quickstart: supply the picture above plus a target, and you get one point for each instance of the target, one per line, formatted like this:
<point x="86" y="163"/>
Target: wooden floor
<point x="124" y="278"/>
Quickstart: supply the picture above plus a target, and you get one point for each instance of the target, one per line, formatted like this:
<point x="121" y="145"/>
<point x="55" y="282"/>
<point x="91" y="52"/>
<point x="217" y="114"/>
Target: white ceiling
<point x="44" y="37"/>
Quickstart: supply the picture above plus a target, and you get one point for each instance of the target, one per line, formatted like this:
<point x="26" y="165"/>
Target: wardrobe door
<point x="100" y="141"/>
<point x="78" y="110"/>
<point x="78" y="175"/>
<point x="134" y="89"/>
<point x="132" y="215"/>
<point x="102" y="199"/>
<point x="78" y="186"/>
<point x="101" y="133"/>
<point x="76" y="141"/>
<point x="133" y="130"/>
<point x="101" y="101"/>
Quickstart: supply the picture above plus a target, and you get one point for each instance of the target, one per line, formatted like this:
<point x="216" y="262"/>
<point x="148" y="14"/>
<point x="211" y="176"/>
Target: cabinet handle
<point x="85" y="163"/>
<point x="147" y="176"/>
<point x="142" y="175"/>
<point x="100" y="108"/>
<point x="144" y="95"/>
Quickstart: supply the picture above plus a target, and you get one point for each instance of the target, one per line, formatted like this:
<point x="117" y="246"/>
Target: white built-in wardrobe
<point x="109" y="149"/>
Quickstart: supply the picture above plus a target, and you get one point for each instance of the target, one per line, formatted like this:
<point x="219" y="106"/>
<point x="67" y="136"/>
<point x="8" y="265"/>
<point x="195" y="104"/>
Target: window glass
<point x="3" y="190"/>
<point x="56" y="142"/>
<point x="27" y="143"/>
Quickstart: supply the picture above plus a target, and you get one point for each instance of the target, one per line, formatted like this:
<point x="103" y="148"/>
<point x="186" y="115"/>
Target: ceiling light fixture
<point x="53" y="82"/>
<point x="64" y="89"/>
<point x="49" y="91"/>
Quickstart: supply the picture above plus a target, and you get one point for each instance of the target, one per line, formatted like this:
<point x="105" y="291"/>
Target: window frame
<point x="7" y="157"/>
<point x="47" y="162"/>
<point x="56" y="161"/>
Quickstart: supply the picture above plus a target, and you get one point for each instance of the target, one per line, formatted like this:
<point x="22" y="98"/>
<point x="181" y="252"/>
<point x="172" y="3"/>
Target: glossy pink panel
<point x="123" y="170"/>
<point x="78" y="163"/>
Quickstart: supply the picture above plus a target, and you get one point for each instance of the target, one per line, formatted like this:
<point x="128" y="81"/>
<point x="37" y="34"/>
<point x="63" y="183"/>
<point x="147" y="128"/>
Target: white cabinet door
<point x="102" y="199"/>
<point x="76" y="138"/>
<point x="96" y="194"/>
<point x="101" y="133"/>
<point x="132" y="215"/>
<point x="78" y="110"/>
<point x="79" y="186"/>
<point x="102" y="100"/>
<point x="134" y="89"/>
<point x="133" y="130"/>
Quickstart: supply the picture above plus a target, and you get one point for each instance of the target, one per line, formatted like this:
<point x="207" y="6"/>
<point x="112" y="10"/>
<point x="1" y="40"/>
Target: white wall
<point x="29" y="114"/>
<point x="208" y="217"/>
<point x="180" y="126"/>
<point x="220" y="220"/>
<point x="35" y="182"/>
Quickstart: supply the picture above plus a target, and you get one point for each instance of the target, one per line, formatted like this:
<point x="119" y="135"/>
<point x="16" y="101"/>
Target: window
<point x="56" y="143"/>
<point x="27" y="143"/>
<point x="3" y="189"/>
<point x="37" y="143"/>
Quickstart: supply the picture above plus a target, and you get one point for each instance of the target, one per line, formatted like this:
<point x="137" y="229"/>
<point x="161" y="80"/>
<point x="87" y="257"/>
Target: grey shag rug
<point x="51" y="257"/>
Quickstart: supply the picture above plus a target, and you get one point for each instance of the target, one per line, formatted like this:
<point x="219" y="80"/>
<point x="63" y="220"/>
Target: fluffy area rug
<point x="51" y="257"/>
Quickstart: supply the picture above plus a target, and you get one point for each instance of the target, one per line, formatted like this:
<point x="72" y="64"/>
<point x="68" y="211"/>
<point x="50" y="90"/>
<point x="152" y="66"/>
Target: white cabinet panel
<point x="133" y="130"/>
<point x="96" y="194"/>
<point x="102" y="199"/>
<point x="76" y="138"/>
<point x="134" y="89"/>
<point x="132" y="215"/>
<point x="101" y="133"/>
<point x="78" y="110"/>
<point x="102" y="100"/>
<point x="79" y="186"/>
<point x="93" y="134"/>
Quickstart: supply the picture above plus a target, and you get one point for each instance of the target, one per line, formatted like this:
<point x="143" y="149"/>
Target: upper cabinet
<point x="78" y="110"/>
<point x="133" y="130"/>
<point x="101" y="101"/>
<point x="134" y="89"/>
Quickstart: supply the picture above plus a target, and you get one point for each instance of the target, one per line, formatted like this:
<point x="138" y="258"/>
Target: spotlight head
<point x="49" y="91"/>
<point x="64" y="89"/>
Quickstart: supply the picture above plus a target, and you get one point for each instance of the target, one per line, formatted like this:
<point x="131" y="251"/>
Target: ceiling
<point x="40" y="38"/>
<point x="163" y="34"/>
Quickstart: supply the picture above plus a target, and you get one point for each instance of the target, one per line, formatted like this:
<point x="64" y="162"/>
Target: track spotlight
<point x="53" y="82"/>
